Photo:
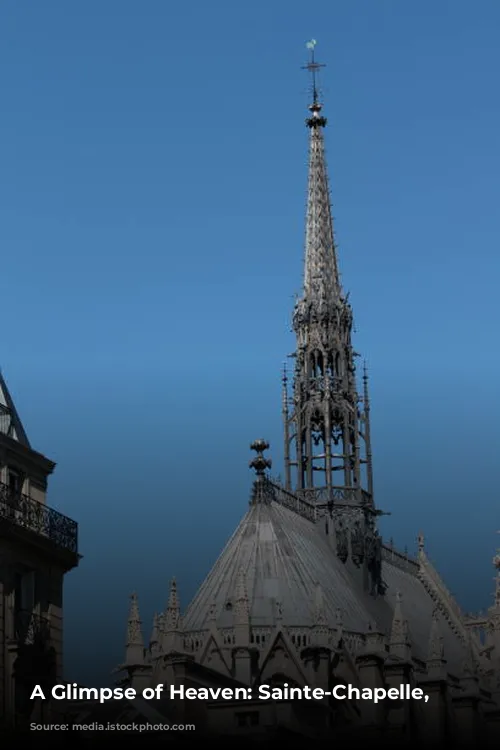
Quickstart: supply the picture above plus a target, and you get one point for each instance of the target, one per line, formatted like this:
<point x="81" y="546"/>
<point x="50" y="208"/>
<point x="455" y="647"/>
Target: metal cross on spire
<point x="313" y="68"/>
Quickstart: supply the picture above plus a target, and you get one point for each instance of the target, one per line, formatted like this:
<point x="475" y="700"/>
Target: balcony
<point x="19" y="511"/>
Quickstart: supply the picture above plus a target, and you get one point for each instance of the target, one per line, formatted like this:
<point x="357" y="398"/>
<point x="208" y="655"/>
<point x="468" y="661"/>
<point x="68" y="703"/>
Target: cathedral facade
<point x="305" y="592"/>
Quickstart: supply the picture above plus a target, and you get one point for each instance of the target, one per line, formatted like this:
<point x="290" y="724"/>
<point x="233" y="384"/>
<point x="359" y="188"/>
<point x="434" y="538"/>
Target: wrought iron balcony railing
<point x="22" y="511"/>
<point x="30" y="628"/>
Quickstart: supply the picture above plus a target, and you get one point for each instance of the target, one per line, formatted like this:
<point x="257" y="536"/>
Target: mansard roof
<point x="286" y="556"/>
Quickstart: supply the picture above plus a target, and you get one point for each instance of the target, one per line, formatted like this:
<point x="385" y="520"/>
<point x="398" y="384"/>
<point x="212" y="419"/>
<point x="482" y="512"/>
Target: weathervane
<point x="313" y="67"/>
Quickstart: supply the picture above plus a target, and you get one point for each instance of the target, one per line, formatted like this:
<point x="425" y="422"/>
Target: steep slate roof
<point x="285" y="556"/>
<point x="10" y="422"/>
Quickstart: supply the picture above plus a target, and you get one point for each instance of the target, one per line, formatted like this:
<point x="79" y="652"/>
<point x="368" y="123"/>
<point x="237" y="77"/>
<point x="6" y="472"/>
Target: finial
<point x="421" y="542"/>
<point x="260" y="463"/>
<point x="315" y="108"/>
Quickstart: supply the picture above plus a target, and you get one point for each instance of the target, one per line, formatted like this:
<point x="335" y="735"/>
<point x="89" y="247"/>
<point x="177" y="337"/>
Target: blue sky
<point x="152" y="191"/>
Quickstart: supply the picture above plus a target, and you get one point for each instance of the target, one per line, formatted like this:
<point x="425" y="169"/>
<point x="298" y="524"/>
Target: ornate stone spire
<point x="421" y="544"/>
<point x="374" y="641"/>
<point x="155" y="633"/>
<point x="321" y="276"/>
<point x="435" y="657"/>
<point x="134" y="633"/>
<point x="399" y="643"/>
<point x="328" y="447"/>
<point x="367" y="430"/>
<point x="134" y="653"/>
<point x="173" y="635"/>
<point x="173" y="612"/>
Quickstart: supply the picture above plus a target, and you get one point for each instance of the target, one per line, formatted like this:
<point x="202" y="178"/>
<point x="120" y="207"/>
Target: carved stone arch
<point x="317" y="426"/>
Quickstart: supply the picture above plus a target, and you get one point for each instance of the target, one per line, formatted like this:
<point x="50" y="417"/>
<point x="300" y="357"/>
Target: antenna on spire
<point x="313" y="68"/>
<point x="315" y="108"/>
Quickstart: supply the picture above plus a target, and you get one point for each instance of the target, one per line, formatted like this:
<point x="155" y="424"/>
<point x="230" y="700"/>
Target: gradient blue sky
<point x="152" y="189"/>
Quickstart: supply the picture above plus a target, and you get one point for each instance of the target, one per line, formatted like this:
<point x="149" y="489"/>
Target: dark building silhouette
<point x="38" y="546"/>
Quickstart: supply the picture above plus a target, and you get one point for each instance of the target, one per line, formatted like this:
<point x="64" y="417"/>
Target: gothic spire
<point x="435" y="657"/>
<point x="173" y="612"/>
<point x="399" y="642"/>
<point x="321" y="275"/>
<point x="134" y="634"/>
<point x="173" y="628"/>
<point x="135" y="643"/>
<point x="328" y="436"/>
<point x="367" y="430"/>
<point x="155" y="633"/>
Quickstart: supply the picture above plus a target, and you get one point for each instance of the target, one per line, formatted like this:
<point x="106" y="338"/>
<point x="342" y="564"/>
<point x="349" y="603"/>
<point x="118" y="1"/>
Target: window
<point x="25" y="591"/>
<point x="14" y="481"/>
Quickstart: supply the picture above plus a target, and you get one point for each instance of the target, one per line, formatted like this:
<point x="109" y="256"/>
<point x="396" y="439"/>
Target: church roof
<point x="10" y="422"/>
<point x="285" y="557"/>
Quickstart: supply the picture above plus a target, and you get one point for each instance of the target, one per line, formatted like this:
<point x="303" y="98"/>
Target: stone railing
<point x="400" y="560"/>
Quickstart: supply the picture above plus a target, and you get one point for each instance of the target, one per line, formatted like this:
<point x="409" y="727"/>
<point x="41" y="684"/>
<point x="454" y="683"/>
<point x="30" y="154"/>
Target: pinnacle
<point x="134" y="632"/>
